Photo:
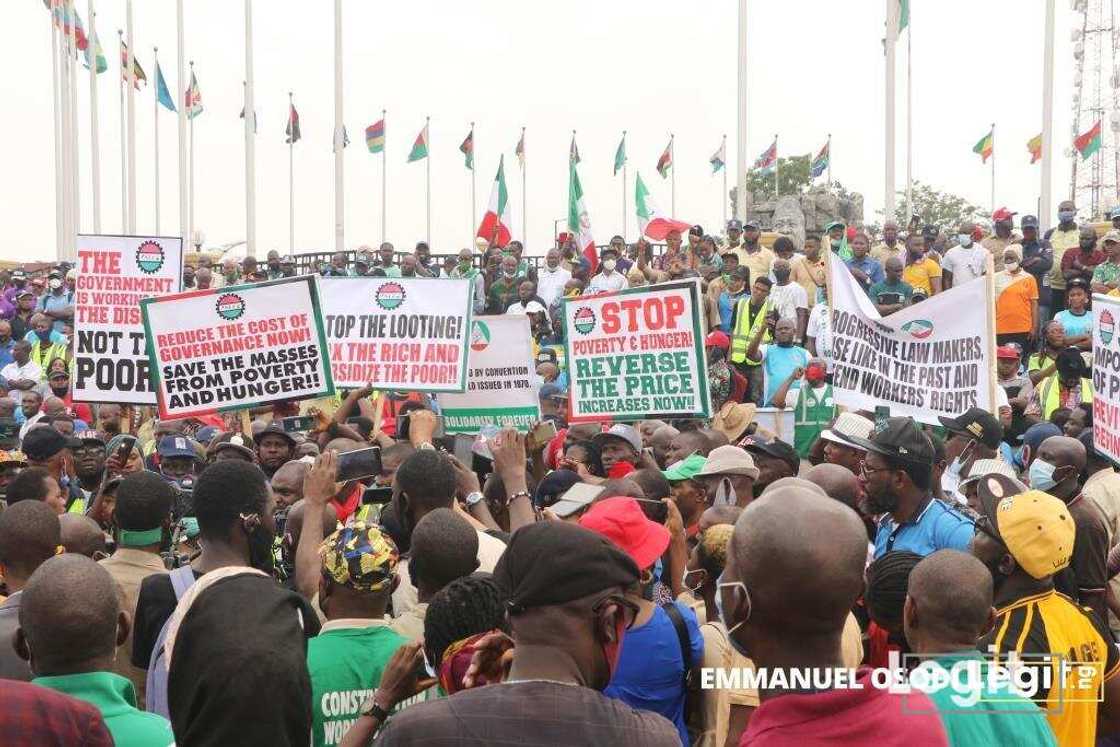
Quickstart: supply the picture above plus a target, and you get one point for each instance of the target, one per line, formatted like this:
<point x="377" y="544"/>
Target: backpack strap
<point x="182" y="578"/>
<point x="679" y="625"/>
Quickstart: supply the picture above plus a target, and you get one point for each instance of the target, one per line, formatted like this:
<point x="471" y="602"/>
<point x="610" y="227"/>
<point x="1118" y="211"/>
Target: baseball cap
<point x="717" y="339"/>
<point x="1112" y="235"/>
<point x="1078" y="282"/>
<point x="1039" y="432"/>
<point x="58" y="375"/>
<point x="1007" y="352"/>
<point x="1070" y="363"/>
<point x="620" y="519"/>
<point x="897" y="438"/>
<point x="18" y="274"/>
<point x="176" y="446"/>
<point x="551" y="391"/>
<point x="1035" y="527"/>
<point x="728" y="460"/>
<point x="775" y="448"/>
<point x="1002" y="214"/>
<point x="206" y="433"/>
<point x="848" y="424"/>
<point x="553" y="562"/>
<point x="977" y="424"/>
<point x="40" y="444"/>
<point x="983" y="467"/>
<point x="1027" y="221"/>
<point x="734" y="225"/>
<point x="627" y="433"/>
<point x="751" y="224"/>
<point x="275" y="429"/>
<point x="685" y="469"/>
<point x="834" y="224"/>
<point x="236" y="441"/>
<point x="696" y="230"/>
<point x="360" y="556"/>
<point x="89" y="437"/>
<point x="24" y="292"/>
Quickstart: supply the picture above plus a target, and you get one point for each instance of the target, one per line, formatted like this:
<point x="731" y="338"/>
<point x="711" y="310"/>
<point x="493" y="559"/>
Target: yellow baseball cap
<point x="1036" y="527"/>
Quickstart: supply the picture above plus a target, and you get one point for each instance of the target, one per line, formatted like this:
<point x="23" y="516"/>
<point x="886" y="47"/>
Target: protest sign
<point x="237" y="347"/>
<point x="499" y="378"/>
<point x="637" y="354"/>
<point x="398" y="333"/>
<point x="1106" y="376"/>
<point x="934" y="358"/>
<point x="114" y="273"/>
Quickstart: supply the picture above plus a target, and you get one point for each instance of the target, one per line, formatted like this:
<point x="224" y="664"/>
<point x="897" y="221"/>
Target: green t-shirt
<point x="115" y="698"/>
<point x="345" y="664"/>
<point x="902" y="289"/>
<point x="999" y="716"/>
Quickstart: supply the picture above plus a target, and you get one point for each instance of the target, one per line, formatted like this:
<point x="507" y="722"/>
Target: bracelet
<point x="519" y="494"/>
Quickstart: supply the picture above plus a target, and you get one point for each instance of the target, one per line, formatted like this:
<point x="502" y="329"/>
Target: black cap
<point x="930" y="230"/>
<point x="977" y="424"/>
<point x="43" y="442"/>
<point x="1070" y="363"/>
<point x="696" y="230"/>
<point x="1028" y="221"/>
<point x="897" y="438"/>
<point x="275" y="429"/>
<point x="553" y="562"/>
<point x="1078" y="282"/>
<point x="776" y="448"/>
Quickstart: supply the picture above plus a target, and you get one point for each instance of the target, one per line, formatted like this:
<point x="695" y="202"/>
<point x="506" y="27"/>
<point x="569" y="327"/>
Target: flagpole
<point x="75" y="151"/>
<point x="291" y="181"/>
<point x="888" y="138"/>
<point x="384" y="171"/>
<point x="723" y="197"/>
<point x="474" y="205"/>
<point x="673" y="176"/>
<point x="57" y="103"/>
<point x="155" y="113"/>
<point x="777" y="192"/>
<point x="339" y="204"/>
<point x="181" y="117"/>
<point x="830" y="159"/>
<point x="909" y="128"/>
<point x="131" y="120"/>
<point x="524" y="195"/>
<point x="428" y="182"/>
<point x="250" y="139"/>
<point x="124" y="142"/>
<point x="1044" y="210"/>
<point x="64" y="132"/>
<point x="95" y="146"/>
<point x="190" y="184"/>
<point x="993" y="136"/>
<point x="624" y="185"/>
<point x="741" y="125"/>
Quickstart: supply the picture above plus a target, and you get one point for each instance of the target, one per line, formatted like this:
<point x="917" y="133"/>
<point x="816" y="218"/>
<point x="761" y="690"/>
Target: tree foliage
<point x="793" y="178"/>
<point x="942" y="209"/>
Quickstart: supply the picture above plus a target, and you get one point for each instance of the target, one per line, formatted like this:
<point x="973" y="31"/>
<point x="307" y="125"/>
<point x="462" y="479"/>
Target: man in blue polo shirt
<point x="896" y="475"/>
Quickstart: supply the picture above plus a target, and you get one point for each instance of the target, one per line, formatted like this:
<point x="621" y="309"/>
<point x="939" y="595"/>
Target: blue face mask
<point x="1065" y="216"/>
<point x="1041" y="475"/>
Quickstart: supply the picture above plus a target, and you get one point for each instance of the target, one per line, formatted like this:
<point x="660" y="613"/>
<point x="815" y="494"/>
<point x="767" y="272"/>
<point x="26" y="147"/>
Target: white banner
<point x="114" y="273"/>
<point x="500" y="371"/>
<point x="1106" y="376"/>
<point x="934" y="358"/>
<point x="398" y="333"/>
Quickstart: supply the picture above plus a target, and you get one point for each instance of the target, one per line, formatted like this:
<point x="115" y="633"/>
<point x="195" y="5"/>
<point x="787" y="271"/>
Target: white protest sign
<point x="499" y="378"/>
<point x="114" y="273"/>
<point x="637" y="354"/>
<point x="933" y="358"/>
<point x="398" y="333"/>
<point x="237" y="347"/>
<point x="1106" y="376"/>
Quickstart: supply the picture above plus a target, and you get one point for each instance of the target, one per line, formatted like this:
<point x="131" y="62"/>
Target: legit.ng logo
<point x="584" y="320"/>
<point x="480" y="336"/>
<point x="919" y="328"/>
<point x="149" y="257"/>
<point x="389" y="296"/>
<point x="1106" y="328"/>
<point x="230" y="306"/>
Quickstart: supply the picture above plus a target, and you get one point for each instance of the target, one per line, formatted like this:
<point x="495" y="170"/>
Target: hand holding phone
<point x="359" y="464"/>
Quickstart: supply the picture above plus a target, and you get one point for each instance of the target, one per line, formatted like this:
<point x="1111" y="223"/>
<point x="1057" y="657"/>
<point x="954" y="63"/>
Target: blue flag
<point x="162" y="93"/>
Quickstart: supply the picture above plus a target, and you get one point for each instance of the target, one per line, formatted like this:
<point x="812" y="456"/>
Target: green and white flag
<point x="620" y="155"/>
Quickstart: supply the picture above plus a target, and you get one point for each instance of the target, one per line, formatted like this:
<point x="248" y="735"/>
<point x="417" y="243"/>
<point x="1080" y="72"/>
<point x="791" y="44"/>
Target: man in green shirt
<point x="1106" y="275"/>
<point x="948" y="607"/>
<point x="503" y="291"/>
<point x="893" y="293"/>
<point x="70" y="624"/>
<point x="348" y="656"/>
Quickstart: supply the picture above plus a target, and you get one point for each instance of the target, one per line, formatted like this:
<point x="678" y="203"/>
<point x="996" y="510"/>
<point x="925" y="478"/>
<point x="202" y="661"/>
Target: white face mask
<point x="1011" y="267"/>
<point x="609" y="265"/>
<point x="55" y="283"/>
<point x="964" y="240"/>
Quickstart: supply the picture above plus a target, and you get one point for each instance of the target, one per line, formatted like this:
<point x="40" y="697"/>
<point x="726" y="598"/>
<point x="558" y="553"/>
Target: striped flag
<point x="1090" y="142"/>
<point x="1034" y="145"/>
<point x="519" y="151"/>
<point x="292" y="130"/>
<point x="192" y="99"/>
<point x="63" y="22"/>
<point x="769" y="158"/>
<point x="984" y="146"/>
<point x="573" y="152"/>
<point x="162" y="94"/>
<point x="719" y="158"/>
<point x="497" y="224"/>
<point x="375" y="136"/>
<point x="95" y="55"/>
<point x="620" y="155"/>
<point x="137" y="71"/>
<point x="420" y="146"/>
<point x="467" y="149"/>
<point x="820" y="163"/>
<point x="666" y="161"/>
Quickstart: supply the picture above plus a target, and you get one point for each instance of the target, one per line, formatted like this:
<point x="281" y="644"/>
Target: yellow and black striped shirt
<point x="1050" y="623"/>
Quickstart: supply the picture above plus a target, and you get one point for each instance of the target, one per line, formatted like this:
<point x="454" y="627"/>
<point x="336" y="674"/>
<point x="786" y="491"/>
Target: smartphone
<point x="541" y="434"/>
<point x="882" y="412"/>
<point x="402" y="427"/>
<point x="297" y="424"/>
<point x="124" y="451"/>
<point x="575" y="499"/>
<point x="377" y="495"/>
<point x="654" y="510"/>
<point x="357" y="465"/>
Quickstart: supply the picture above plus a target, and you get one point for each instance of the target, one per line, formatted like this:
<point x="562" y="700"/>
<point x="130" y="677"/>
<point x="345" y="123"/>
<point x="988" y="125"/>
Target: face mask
<point x="509" y="273"/>
<point x="55" y="284"/>
<point x="1041" y="475"/>
<point x="1087" y="245"/>
<point x="726" y="279"/>
<point x="781" y="275"/>
<point x="684" y="581"/>
<point x="814" y="374"/>
<point x="43" y="336"/>
<point x="727" y="624"/>
<point x="835" y="243"/>
<point x="964" y="239"/>
<point x="1066" y="216"/>
<point x="1011" y="266"/>
<point x="609" y="265"/>
<point x="571" y="293"/>
<point x="725" y="494"/>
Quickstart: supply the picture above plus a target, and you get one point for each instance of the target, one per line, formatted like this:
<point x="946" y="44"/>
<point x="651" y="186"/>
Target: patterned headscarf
<point x="360" y="556"/>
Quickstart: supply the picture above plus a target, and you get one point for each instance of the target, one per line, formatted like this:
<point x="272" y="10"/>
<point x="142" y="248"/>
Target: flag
<point x="666" y="161"/>
<point x="345" y="136"/>
<point x="61" y="20"/>
<point x="255" y="117"/>
<point x="420" y="147"/>
<point x="375" y="136"/>
<point x="903" y="15"/>
<point x="467" y="149"/>
<point x="95" y="55"/>
<point x="620" y="154"/>
<point x="769" y="158"/>
<point x="520" y="150"/>
<point x="820" y="163"/>
<point x="1034" y="145"/>
<point x="292" y="130"/>
<point x="651" y="221"/>
<point x="137" y="71"/>
<point x="497" y="224"/>
<point x="984" y="146"/>
<point x="579" y="222"/>
<point x="898" y="17"/>
<point x="1090" y="142"/>
<point x="192" y="99"/>
<point x="573" y="152"/>
<point x="719" y="158"/>
<point x="162" y="93"/>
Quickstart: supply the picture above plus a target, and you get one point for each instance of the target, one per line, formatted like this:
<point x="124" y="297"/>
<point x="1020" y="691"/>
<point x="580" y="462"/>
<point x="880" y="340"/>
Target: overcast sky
<point x="653" y="68"/>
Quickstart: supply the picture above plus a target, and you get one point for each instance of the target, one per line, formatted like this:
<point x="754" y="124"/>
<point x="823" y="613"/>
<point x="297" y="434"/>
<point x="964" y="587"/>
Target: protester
<point x="1016" y="301"/>
<point x="1076" y="321"/>
<point x="813" y="404"/>
<point x="1044" y="363"/>
<point x="29" y="535"/>
<point x="964" y="262"/>
<point x="884" y="598"/>
<point x="921" y="272"/>
<point x="841" y="441"/>
<point x="1106" y="275"/>
<point x="1067" y="387"/>
<point x="1062" y="238"/>
<point x="754" y="256"/>
<point x="788" y="298"/>
<point x="775" y="459"/>
<point x="1003" y="234"/>
<point x="889" y="248"/>
<point x="867" y="270"/>
<point x="275" y="447"/>
<point x="975" y="434"/>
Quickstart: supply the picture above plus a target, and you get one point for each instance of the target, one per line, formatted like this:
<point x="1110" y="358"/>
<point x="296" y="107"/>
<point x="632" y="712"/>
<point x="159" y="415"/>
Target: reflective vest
<point x="812" y="414"/>
<point x="1049" y="394"/>
<point x="745" y="328"/>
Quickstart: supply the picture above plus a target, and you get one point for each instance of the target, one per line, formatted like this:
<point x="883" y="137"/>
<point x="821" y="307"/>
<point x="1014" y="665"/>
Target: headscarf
<point x="455" y="662"/>
<point x="843" y="250"/>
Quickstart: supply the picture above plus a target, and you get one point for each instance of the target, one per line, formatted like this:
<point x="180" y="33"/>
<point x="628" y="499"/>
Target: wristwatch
<point x="473" y="498"/>
<point x="426" y="446"/>
<point x="373" y="710"/>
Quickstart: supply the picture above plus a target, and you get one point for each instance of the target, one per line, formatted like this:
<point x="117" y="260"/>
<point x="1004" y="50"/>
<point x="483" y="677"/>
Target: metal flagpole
<point x="95" y="145"/>
<point x="75" y="161"/>
<point x="474" y="205"/>
<point x="190" y="182"/>
<point x="291" y="181"/>
<point x="624" y="185"/>
<point x="888" y="138"/>
<point x="155" y="113"/>
<point x="64" y="133"/>
<point x="777" y="192"/>
<point x="339" y="203"/>
<point x="830" y="159"/>
<point x="250" y="139"/>
<point x="723" y="197"/>
<point x="131" y="120"/>
<point x="1044" y="210"/>
<point x="384" y="171"/>
<point x="57" y="102"/>
<point x="909" y="129"/>
<point x="993" y="136"/>
<point x="181" y="116"/>
<point x="524" y="195"/>
<point x="428" y="182"/>
<point x="741" y="119"/>
<point x="124" y="144"/>
<point x="673" y="176"/>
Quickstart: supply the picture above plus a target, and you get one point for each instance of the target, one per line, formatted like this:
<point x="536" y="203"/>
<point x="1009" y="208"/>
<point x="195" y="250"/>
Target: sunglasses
<point x="629" y="609"/>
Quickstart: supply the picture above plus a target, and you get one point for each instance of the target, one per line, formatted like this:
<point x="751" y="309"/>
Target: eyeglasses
<point x="866" y="471"/>
<point x="629" y="609"/>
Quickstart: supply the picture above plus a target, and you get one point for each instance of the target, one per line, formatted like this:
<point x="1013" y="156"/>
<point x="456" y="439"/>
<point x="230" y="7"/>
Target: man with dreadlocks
<point x="459" y="615"/>
<point x="887" y="583"/>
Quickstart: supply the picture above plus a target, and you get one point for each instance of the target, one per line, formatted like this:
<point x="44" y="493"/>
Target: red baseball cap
<point x="1002" y="214"/>
<point x="1006" y="351"/>
<point x="620" y="519"/>
<point x="717" y="339"/>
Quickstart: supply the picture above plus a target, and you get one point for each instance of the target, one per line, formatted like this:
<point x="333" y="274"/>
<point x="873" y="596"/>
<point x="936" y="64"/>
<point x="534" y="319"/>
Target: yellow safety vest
<point x="1050" y="393"/>
<point x="745" y="329"/>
